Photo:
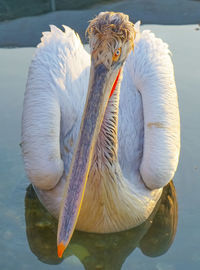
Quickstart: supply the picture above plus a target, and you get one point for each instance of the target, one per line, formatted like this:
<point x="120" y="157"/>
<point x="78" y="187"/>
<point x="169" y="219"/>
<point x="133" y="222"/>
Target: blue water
<point x="28" y="233"/>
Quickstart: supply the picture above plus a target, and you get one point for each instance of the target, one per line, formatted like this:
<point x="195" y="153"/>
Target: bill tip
<point x="60" y="249"/>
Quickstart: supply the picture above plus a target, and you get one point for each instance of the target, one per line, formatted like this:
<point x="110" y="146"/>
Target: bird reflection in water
<point x="102" y="251"/>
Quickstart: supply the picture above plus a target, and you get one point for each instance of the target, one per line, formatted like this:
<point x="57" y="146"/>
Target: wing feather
<point x="149" y="71"/>
<point x="54" y="97"/>
<point x="154" y="78"/>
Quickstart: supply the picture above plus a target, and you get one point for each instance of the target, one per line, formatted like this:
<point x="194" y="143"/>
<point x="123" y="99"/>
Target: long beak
<point x="96" y="103"/>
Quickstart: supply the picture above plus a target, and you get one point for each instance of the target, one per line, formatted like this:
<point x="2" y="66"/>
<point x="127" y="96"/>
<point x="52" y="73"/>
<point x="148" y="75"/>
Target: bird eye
<point x="116" y="55"/>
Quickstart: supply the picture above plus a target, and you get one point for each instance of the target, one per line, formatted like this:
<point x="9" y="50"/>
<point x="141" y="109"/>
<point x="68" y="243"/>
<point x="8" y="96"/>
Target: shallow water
<point x="27" y="232"/>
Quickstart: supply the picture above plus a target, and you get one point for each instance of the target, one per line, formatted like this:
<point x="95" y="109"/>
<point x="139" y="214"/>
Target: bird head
<point x="111" y="37"/>
<point x="107" y="33"/>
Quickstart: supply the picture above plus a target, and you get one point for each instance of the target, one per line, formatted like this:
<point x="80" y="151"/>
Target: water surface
<point x="20" y="227"/>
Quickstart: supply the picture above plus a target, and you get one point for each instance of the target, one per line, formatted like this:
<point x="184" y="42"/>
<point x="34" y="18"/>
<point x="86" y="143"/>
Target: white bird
<point x="99" y="148"/>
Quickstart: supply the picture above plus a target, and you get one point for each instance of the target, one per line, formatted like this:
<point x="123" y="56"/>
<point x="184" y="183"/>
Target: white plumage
<point x="148" y="129"/>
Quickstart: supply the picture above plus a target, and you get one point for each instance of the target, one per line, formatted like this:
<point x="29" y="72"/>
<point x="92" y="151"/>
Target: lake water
<point x="28" y="233"/>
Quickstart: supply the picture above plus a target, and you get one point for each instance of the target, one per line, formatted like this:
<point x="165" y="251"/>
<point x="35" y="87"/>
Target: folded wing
<point x="54" y="97"/>
<point x="149" y="124"/>
<point x="153" y="76"/>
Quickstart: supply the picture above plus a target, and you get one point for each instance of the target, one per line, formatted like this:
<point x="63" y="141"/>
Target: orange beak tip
<point x="60" y="249"/>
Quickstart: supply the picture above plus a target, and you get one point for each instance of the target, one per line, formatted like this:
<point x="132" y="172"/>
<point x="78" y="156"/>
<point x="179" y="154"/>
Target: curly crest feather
<point x="110" y="26"/>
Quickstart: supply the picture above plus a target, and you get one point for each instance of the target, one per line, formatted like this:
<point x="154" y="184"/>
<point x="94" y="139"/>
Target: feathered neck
<point x="107" y="142"/>
<point x="113" y="203"/>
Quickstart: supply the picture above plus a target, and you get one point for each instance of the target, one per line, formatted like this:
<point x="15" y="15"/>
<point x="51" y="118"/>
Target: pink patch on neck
<point x="115" y="83"/>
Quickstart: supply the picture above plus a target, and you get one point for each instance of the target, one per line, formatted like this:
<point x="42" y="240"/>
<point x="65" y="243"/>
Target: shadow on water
<point x="102" y="251"/>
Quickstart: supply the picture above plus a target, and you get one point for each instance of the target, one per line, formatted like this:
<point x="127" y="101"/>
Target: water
<point x="23" y="31"/>
<point x="28" y="233"/>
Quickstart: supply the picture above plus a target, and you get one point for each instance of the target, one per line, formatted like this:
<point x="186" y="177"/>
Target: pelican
<point x="100" y="131"/>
